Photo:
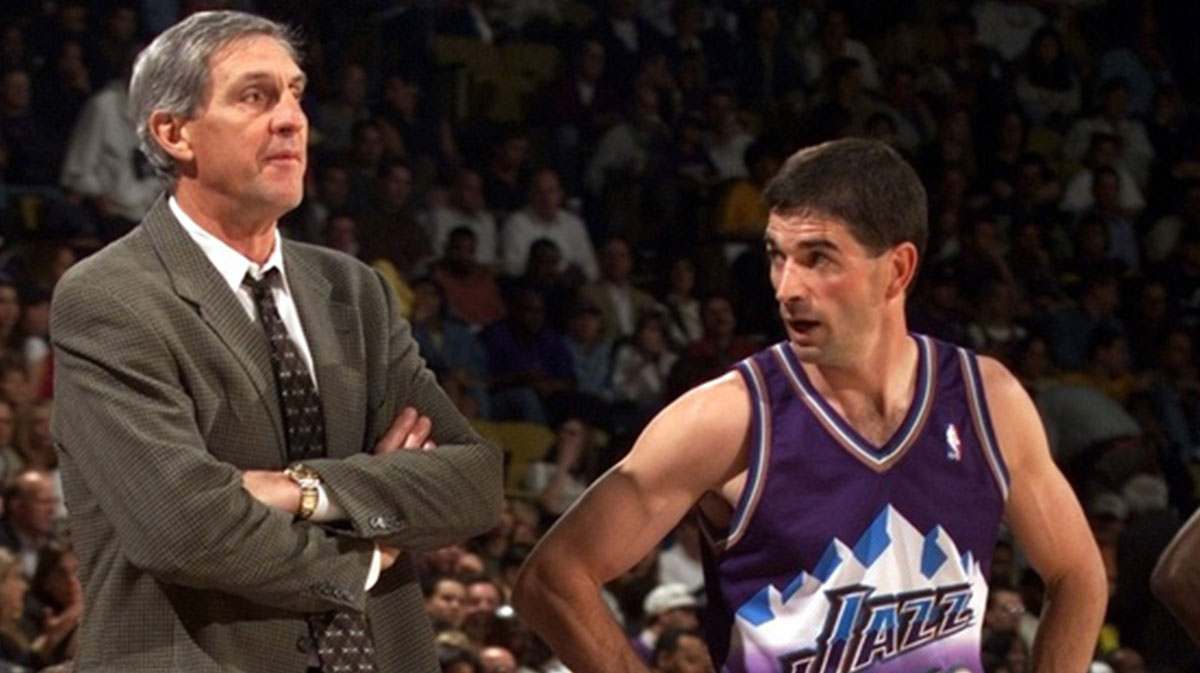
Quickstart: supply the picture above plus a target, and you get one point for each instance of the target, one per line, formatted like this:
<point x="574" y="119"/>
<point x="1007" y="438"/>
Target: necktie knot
<point x="260" y="288"/>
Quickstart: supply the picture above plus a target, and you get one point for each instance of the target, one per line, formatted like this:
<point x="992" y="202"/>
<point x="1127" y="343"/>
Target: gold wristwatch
<point x="308" y="481"/>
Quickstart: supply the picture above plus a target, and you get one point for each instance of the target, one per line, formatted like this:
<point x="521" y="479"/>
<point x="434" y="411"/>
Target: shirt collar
<point x="230" y="263"/>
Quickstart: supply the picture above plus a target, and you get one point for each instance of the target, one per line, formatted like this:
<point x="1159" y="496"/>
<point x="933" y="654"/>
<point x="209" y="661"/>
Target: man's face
<point x="6" y="424"/>
<point x="617" y="261"/>
<point x="545" y="195"/>
<point x="445" y="604"/>
<point x="249" y="143"/>
<point x="482" y="597"/>
<point x="33" y="508"/>
<point x="468" y="193"/>
<point x="679" y="618"/>
<point x="1004" y="610"/>
<point x="831" y="290"/>
<point x="691" y="656"/>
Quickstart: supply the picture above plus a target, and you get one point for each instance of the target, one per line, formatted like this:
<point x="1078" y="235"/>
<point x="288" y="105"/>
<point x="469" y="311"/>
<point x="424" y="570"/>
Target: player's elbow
<point x="532" y="587"/>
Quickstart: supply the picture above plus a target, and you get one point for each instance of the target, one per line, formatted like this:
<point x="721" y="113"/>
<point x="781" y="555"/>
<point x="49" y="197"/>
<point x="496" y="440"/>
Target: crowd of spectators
<point x="564" y="194"/>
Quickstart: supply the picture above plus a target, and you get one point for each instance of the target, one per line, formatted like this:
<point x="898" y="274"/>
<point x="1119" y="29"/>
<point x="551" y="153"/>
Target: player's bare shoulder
<point x="698" y="443"/>
<point x="1014" y="417"/>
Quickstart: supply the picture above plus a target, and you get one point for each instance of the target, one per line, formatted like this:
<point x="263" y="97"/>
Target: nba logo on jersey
<point x="953" y="444"/>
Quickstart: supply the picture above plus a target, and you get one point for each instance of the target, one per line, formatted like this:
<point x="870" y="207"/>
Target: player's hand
<point x="273" y="489"/>
<point x="409" y="430"/>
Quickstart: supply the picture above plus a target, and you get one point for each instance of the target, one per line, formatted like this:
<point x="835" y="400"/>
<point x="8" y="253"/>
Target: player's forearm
<point x="1070" y="624"/>
<point x="570" y="616"/>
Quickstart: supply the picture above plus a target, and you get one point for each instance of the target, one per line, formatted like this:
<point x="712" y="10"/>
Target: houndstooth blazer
<point x="164" y="392"/>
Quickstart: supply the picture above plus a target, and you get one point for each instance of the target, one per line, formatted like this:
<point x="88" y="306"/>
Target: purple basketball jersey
<point x="844" y="556"/>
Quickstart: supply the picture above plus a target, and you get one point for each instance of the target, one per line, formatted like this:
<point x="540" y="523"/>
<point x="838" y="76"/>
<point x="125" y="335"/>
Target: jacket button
<point x="378" y="522"/>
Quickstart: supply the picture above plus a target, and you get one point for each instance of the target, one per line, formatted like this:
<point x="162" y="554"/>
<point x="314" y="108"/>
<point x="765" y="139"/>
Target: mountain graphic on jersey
<point x="897" y="600"/>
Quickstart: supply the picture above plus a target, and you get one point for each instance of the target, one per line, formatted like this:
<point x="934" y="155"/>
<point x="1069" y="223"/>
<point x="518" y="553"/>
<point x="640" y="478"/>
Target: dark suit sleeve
<point x="416" y="499"/>
<point x="125" y="429"/>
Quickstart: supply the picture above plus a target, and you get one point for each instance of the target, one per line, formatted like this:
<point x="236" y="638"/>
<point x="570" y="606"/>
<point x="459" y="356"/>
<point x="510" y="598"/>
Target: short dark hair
<point x="864" y="183"/>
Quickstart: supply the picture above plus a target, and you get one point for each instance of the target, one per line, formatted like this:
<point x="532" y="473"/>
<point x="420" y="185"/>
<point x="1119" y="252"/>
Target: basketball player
<point x="850" y="481"/>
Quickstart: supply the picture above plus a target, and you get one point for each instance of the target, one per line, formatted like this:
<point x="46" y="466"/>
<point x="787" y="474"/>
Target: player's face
<point x="831" y="290"/>
<point x="249" y="143"/>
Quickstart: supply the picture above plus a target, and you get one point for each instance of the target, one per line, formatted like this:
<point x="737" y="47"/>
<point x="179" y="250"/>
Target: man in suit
<point x="182" y="351"/>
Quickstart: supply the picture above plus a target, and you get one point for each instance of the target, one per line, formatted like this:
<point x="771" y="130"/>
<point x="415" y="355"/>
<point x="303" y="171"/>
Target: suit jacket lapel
<point x="196" y="281"/>
<point x="328" y="326"/>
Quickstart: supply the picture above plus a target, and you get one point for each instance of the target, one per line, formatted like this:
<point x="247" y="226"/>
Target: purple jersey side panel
<point x="843" y="556"/>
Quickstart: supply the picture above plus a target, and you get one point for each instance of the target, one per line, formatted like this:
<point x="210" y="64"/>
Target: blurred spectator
<point x="591" y="353"/>
<point x="496" y="659"/>
<point x="466" y="208"/>
<point x="117" y="44"/>
<point x="16" y="644"/>
<point x="545" y="275"/>
<point x="33" y="155"/>
<point x="680" y="303"/>
<point x="470" y="286"/>
<point x="61" y="93"/>
<point x="445" y="596"/>
<point x="341" y="233"/>
<point x="714" y="352"/>
<point x="529" y="366"/>
<point x="727" y="139"/>
<point x="448" y="345"/>
<point x="667" y="607"/>
<point x="335" y="119"/>
<point x="1175" y="393"/>
<point x="580" y="108"/>
<point x="1047" y="86"/>
<point x="1163" y="237"/>
<point x="506" y="180"/>
<point x="642" y="365"/>
<point x="1007" y="26"/>
<point x="367" y="157"/>
<point x="765" y="69"/>
<point x="544" y="217"/>
<point x="621" y="303"/>
<point x="681" y="651"/>
<point x="391" y="232"/>
<point x="1141" y="64"/>
<point x="681" y="561"/>
<point x="406" y="110"/>
<point x="561" y="476"/>
<point x="995" y="330"/>
<point x="483" y="596"/>
<point x="902" y="103"/>
<point x="742" y="215"/>
<point x="1069" y="332"/>
<point x="28" y="524"/>
<point x="1107" y="367"/>
<point x="968" y="66"/>
<point x="58" y="595"/>
<point x="35" y="327"/>
<point x="1135" y="151"/>
<point x="104" y="166"/>
<point x="834" y="43"/>
<point x="627" y="40"/>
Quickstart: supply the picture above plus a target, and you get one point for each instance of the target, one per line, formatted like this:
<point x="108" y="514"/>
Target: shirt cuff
<point x="327" y="508"/>
<point x="376" y="567"/>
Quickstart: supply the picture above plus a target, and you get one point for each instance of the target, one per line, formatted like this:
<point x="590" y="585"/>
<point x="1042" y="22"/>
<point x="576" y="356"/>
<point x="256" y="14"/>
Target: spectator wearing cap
<point x="667" y="606"/>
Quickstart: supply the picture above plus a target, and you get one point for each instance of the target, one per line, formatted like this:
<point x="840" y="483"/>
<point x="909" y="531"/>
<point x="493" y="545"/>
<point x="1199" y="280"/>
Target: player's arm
<point x="1050" y="526"/>
<point x="694" y="446"/>
<point x="1176" y="578"/>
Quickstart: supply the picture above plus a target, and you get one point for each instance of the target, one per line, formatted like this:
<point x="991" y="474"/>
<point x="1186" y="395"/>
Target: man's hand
<point x="273" y="489"/>
<point x="409" y="430"/>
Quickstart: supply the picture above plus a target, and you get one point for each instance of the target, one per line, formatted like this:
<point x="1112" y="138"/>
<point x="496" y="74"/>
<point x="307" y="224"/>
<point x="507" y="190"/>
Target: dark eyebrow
<point x="808" y="244"/>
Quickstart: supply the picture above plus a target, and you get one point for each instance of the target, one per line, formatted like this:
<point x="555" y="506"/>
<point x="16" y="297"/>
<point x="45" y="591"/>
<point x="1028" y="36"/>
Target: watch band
<point x="308" y="481"/>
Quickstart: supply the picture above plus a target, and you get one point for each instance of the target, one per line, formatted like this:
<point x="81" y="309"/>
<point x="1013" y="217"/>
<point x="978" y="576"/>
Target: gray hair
<point x="173" y="73"/>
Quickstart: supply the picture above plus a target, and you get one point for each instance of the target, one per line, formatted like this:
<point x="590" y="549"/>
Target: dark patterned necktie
<point x="342" y="637"/>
